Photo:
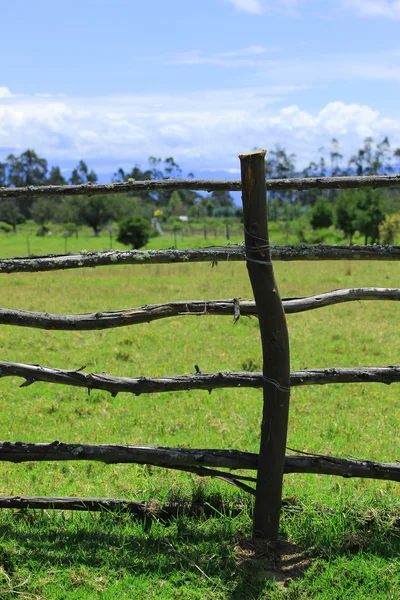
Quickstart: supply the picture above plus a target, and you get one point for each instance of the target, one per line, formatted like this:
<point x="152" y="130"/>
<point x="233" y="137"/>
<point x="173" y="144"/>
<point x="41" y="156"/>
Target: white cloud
<point x="206" y="129"/>
<point x="252" y="56"/>
<point x="252" y="7"/>
<point x="273" y="66"/>
<point x="4" y="92"/>
<point x="249" y="51"/>
<point x="259" y="7"/>
<point x="311" y="70"/>
<point x="389" y="9"/>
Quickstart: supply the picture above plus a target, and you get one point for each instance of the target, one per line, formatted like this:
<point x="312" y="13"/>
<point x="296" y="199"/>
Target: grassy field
<point x="342" y="536"/>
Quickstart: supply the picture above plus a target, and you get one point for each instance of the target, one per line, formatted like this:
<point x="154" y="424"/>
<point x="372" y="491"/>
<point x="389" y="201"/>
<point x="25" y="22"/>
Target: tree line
<point x="369" y="212"/>
<point x="29" y="169"/>
<point x="349" y="211"/>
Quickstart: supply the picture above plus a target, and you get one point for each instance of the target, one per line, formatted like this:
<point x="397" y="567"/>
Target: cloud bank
<point x="206" y="129"/>
<point x="389" y="9"/>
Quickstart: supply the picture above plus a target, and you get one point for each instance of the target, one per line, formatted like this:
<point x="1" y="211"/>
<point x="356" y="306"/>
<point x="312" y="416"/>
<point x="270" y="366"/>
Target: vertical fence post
<point x="275" y="348"/>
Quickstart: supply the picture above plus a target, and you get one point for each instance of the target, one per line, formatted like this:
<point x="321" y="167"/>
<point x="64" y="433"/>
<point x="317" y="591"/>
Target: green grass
<point x="349" y="528"/>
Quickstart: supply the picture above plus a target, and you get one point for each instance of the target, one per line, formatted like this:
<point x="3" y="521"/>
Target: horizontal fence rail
<point x="55" y="262"/>
<point x="184" y="458"/>
<point x="196" y="381"/>
<point x="146" y="510"/>
<point x="294" y="183"/>
<point x="153" y="312"/>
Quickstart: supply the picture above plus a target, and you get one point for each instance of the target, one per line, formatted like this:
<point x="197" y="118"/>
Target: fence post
<point x="275" y="348"/>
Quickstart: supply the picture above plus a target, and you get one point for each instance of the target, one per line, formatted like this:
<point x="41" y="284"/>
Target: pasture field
<point x="347" y="531"/>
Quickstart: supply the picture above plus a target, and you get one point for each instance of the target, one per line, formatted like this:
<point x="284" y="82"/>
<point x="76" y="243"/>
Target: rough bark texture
<point x="305" y="183"/>
<point x="200" y="458"/>
<point x="153" y="312"/>
<point x="196" y="381"/>
<point x="147" y="511"/>
<point x="56" y="262"/>
<point x="275" y="348"/>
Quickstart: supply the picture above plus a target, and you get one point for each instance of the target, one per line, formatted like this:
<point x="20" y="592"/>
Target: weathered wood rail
<point x="153" y="312"/>
<point x="275" y="380"/>
<point x="57" y="262"/>
<point x="196" y="381"/>
<point x="302" y="183"/>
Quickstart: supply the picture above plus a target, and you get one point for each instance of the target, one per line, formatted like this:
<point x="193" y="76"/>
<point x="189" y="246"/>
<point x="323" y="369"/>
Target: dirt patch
<point x="282" y="562"/>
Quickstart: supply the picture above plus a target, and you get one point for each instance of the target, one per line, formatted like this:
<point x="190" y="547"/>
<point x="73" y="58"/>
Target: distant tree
<point x="224" y="211"/>
<point x="321" y="214"/>
<point x="396" y="155"/>
<point x="3" y="174"/>
<point x="175" y="204"/>
<point x="346" y="213"/>
<point x="96" y="211"/>
<point x="9" y="213"/>
<point x="43" y="210"/>
<point x="361" y="162"/>
<point x="56" y="177"/>
<point x="274" y="208"/>
<point x="81" y="174"/>
<point x="221" y="199"/>
<point x="134" y="231"/>
<point x="335" y="157"/>
<point x="280" y="165"/>
<point x="369" y="214"/>
<point x="360" y="210"/>
<point x="210" y="207"/>
<point x="25" y="170"/>
<point x="390" y="228"/>
<point x="159" y="169"/>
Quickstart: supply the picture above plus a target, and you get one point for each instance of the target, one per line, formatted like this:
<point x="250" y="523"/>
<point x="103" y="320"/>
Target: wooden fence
<point x="272" y="462"/>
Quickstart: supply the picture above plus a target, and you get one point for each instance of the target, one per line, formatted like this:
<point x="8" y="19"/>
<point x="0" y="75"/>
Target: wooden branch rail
<point x="295" y="183"/>
<point x="196" y="381"/>
<point x="143" y="510"/>
<point x="153" y="312"/>
<point x="182" y="458"/>
<point x="55" y="262"/>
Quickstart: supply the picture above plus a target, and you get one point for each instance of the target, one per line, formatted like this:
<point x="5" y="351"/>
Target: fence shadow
<point x="215" y="551"/>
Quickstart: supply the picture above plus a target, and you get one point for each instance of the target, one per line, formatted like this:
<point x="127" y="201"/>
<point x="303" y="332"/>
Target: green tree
<point x="390" y="228"/>
<point x="274" y="208"/>
<point x="24" y="170"/>
<point x="369" y="214"/>
<point x="43" y="210"/>
<point x="3" y="174"/>
<point x="221" y="199"/>
<point x="346" y="213"/>
<point x="96" y="211"/>
<point x="56" y="177"/>
<point x="175" y="204"/>
<point x="81" y="174"/>
<point x="335" y="157"/>
<point x="134" y="231"/>
<point x="321" y="214"/>
<point x="9" y="213"/>
<point x="280" y="165"/>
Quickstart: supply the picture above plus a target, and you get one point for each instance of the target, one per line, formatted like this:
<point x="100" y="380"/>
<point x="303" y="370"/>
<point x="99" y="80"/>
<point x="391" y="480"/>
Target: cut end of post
<point x="261" y="153"/>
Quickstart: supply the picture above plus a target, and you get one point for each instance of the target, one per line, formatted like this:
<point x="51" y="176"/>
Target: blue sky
<point x="202" y="81"/>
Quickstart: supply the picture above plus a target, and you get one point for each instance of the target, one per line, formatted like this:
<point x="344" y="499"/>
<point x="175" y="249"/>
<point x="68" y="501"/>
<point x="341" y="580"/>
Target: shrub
<point x="390" y="228"/>
<point x="6" y="227"/>
<point x="134" y="231"/>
